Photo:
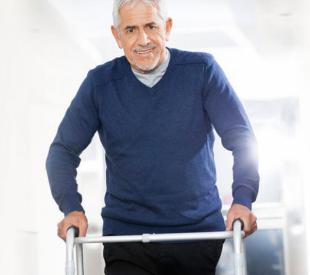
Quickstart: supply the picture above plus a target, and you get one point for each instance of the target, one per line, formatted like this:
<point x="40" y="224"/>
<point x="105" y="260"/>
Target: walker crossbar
<point x="71" y="241"/>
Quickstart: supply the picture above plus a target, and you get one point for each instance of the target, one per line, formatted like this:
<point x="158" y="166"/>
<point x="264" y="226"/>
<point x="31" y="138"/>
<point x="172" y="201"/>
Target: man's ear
<point x="169" y="24"/>
<point x="116" y="35"/>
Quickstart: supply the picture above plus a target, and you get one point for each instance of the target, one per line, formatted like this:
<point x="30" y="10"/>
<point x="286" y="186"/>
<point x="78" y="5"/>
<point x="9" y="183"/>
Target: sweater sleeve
<point x="73" y="135"/>
<point x="230" y="121"/>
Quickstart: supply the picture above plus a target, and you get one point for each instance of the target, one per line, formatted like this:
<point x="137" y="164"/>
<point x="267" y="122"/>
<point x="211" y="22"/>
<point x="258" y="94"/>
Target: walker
<point x="76" y="243"/>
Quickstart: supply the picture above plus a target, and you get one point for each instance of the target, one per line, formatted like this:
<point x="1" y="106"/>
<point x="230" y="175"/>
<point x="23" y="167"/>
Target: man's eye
<point x="130" y="30"/>
<point x="152" y="27"/>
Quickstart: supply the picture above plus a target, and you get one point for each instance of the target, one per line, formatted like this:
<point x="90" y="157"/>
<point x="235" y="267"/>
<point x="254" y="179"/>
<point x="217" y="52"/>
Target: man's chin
<point x="145" y="68"/>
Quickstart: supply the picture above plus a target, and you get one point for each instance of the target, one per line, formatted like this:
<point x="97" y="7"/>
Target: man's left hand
<point x="238" y="211"/>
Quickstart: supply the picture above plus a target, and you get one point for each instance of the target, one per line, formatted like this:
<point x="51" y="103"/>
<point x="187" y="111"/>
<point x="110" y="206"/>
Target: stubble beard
<point x="148" y="67"/>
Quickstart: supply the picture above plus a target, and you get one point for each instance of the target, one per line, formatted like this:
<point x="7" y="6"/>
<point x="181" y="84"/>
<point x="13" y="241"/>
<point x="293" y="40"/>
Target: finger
<point x="83" y="229"/>
<point x="253" y="226"/>
<point x="247" y="227"/>
<point x="252" y="231"/>
<point x="254" y="223"/>
<point x="62" y="230"/>
<point x="244" y="225"/>
<point x="229" y="222"/>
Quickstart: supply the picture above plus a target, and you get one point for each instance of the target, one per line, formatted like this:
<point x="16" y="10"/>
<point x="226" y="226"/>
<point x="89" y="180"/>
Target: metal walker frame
<point x="77" y="242"/>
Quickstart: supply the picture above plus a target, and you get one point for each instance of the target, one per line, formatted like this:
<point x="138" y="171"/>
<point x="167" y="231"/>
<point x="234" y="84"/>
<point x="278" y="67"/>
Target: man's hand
<point x="76" y="219"/>
<point x="238" y="211"/>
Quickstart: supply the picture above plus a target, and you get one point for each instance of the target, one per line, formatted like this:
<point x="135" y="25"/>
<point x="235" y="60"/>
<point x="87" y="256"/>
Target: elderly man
<point x="155" y="109"/>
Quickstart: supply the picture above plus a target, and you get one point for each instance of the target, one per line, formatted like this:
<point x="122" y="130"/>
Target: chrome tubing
<point x="70" y="265"/>
<point x="239" y="257"/>
<point x="237" y="234"/>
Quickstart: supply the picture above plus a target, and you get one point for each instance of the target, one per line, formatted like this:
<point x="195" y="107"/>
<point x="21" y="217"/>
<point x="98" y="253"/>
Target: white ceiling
<point x="266" y="23"/>
<point x="248" y="37"/>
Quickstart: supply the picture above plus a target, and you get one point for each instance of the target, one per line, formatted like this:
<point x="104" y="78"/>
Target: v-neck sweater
<point x="158" y="141"/>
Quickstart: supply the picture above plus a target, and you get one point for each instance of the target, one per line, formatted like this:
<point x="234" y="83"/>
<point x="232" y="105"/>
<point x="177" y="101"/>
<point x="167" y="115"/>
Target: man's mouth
<point x="144" y="51"/>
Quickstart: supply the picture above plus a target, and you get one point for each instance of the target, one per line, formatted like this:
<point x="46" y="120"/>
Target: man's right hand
<point x="76" y="219"/>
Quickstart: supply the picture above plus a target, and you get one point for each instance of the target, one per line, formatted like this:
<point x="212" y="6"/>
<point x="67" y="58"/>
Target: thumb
<point x="229" y="222"/>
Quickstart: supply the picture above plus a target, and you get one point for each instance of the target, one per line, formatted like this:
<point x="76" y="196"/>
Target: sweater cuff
<point x="243" y="196"/>
<point x="71" y="203"/>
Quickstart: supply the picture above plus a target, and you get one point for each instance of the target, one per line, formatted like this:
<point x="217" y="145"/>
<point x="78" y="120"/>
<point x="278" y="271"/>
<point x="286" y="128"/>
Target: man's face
<point x="142" y="35"/>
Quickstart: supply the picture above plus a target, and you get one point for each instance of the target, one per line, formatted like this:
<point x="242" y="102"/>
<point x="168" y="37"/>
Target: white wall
<point x="41" y="67"/>
<point x="42" y="62"/>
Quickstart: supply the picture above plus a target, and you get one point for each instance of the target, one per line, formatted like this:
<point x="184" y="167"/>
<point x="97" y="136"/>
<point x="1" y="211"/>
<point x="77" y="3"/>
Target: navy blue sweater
<point x="158" y="144"/>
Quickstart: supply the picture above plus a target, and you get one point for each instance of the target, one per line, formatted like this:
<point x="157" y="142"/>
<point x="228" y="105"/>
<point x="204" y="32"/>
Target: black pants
<point x="189" y="258"/>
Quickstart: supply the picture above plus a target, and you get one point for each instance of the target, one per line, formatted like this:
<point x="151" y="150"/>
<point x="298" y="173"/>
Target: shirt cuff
<point x="70" y="203"/>
<point x="243" y="196"/>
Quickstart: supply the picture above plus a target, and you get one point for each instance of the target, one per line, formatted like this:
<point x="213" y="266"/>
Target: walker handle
<point x="238" y="220"/>
<point x="70" y="265"/>
<point x="239" y="259"/>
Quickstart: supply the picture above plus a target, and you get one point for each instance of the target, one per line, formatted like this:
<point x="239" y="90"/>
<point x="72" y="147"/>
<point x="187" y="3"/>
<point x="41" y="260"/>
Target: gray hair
<point x="159" y="4"/>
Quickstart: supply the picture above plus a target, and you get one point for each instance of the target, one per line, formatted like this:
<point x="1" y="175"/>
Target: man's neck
<point x="152" y="77"/>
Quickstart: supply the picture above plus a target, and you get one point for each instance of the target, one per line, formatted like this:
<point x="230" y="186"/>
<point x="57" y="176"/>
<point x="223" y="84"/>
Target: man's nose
<point x="143" y="38"/>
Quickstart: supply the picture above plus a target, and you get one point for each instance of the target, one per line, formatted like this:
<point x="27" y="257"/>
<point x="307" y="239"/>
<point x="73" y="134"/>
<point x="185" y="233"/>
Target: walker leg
<point x="243" y="255"/>
<point x="70" y="266"/>
<point x="239" y="262"/>
<point x="79" y="259"/>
